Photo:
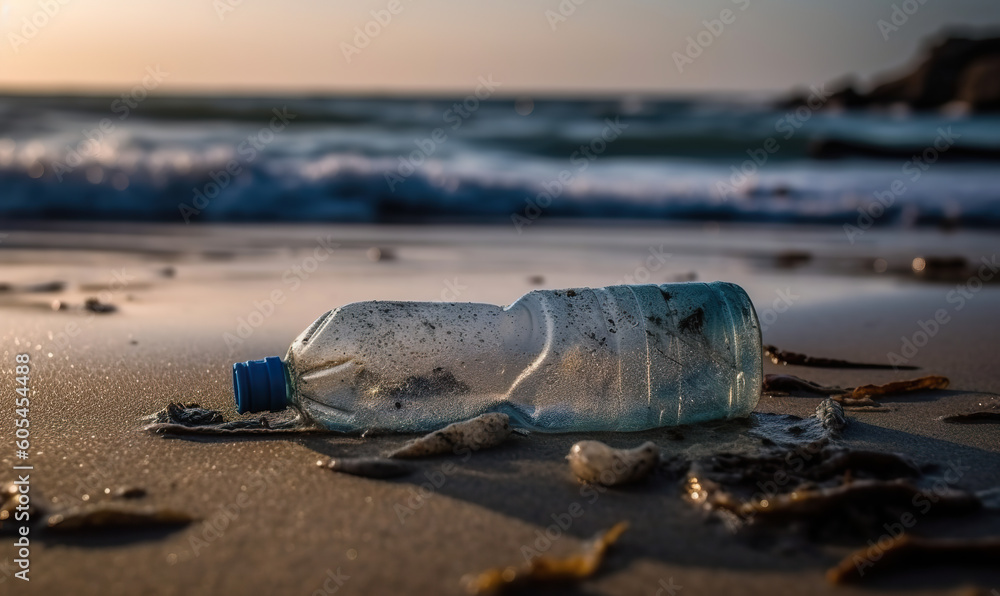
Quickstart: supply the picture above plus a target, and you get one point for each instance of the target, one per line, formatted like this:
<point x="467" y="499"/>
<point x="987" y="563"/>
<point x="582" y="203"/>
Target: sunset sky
<point x="445" y="45"/>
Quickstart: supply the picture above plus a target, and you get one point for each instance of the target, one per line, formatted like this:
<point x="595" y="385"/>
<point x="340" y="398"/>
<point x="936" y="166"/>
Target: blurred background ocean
<point x="169" y="158"/>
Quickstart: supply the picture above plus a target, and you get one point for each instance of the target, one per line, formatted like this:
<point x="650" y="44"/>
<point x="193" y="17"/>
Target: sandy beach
<point x="191" y="300"/>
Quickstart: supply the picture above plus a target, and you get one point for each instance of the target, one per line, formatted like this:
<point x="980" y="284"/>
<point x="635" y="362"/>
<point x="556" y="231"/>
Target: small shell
<point x="595" y="462"/>
<point x="481" y="432"/>
<point x="370" y="467"/>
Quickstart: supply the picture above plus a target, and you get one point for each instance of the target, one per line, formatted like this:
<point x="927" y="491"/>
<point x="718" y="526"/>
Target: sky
<point x="432" y="46"/>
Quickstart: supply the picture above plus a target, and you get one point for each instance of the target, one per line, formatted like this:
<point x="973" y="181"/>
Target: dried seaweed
<point x="899" y="387"/>
<point x="545" y="569"/>
<point x="782" y="357"/>
<point x="481" y="432"/>
<point x="856" y="494"/>
<point x="905" y="552"/>
<point x="192" y="419"/>
<point x="595" y="462"/>
<point x="791" y="384"/>
<point x="857" y="399"/>
<point x="189" y="414"/>
<point x="815" y="489"/>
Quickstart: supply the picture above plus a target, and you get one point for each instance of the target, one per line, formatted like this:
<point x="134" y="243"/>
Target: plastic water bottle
<point x="620" y="358"/>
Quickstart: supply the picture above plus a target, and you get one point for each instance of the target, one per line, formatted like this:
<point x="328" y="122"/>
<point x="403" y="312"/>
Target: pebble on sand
<point x="595" y="462"/>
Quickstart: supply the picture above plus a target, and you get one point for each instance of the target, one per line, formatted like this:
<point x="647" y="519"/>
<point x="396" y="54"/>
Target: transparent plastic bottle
<point x="620" y="358"/>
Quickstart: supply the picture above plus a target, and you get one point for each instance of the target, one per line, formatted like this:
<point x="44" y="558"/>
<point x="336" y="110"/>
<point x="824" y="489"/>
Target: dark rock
<point x="955" y="68"/>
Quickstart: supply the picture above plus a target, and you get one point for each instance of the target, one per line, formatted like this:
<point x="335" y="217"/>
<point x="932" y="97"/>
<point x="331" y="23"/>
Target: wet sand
<point x="192" y="300"/>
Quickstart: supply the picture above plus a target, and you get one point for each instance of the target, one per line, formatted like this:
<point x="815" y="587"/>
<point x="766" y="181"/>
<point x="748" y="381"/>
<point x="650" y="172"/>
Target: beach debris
<point x="536" y="280"/>
<point x="369" y="467"/>
<point x="546" y="569"/>
<point x="167" y="271"/>
<point x="481" y="432"/>
<point x="860" y="399"/>
<point x="744" y="491"/>
<point x="866" y="407"/>
<point x="813" y="487"/>
<point x="789" y="384"/>
<point x="857" y="399"/>
<point x="189" y="414"/>
<point x="35" y="288"/>
<point x="127" y="492"/>
<point x="597" y="463"/>
<point x="782" y="357"/>
<point x="906" y="552"/>
<point x="899" y="387"/>
<point x="789" y="430"/>
<point x="104" y="516"/>
<point x="791" y="259"/>
<point x="830" y="416"/>
<point x="380" y="253"/>
<point x="191" y="419"/>
<point x="96" y="306"/>
<point x="857" y="495"/>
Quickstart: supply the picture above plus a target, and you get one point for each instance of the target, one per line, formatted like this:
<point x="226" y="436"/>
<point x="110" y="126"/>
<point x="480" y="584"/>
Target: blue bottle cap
<point x="260" y="385"/>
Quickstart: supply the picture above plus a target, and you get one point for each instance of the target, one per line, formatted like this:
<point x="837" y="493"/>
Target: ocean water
<point x="350" y="159"/>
